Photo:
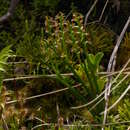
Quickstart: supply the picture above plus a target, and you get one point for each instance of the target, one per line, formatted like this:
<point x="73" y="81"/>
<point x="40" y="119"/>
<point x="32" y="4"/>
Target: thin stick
<point x="11" y="9"/>
<point x="119" y="99"/>
<point x="68" y="14"/>
<point x="84" y="125"/>
<point x="107" y="74"/>
<point x="95" y="99"/>
<point x="5" y="126"/>
<point x="89" y="12"/>
<point x="100" y="18"/>
<point x="118" y="44"/>
<point x="22" y="77"/>
<point x="37" y="126"/>
<point x="110" y="66"/>
<point x="39" y="120"/>
<point x="36" y="76"/>
<point x="42" y="95"/>
<point x="110" y="92"/>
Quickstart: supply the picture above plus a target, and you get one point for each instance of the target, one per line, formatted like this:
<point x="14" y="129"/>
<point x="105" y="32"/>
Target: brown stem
<point x="10" y="11"/>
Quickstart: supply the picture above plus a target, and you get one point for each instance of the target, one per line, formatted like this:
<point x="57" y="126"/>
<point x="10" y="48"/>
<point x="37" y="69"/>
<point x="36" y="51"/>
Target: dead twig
<point x="35" y="76"/>
<point x="110" y="92"/>
<point x="10" y="11"/>
<point x="89" y="12"/>
<point x="119" y="99"/>
<point x="110" y="67"/>
<point x="84" y="125"/>
<point x="100" y="18"/>
<point x="22" y="77"/>
<point x="42" y="95"/>
<point x="5" y="126"/>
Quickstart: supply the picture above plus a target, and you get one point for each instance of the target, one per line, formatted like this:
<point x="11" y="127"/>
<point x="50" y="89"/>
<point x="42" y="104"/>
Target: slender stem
<point x="44" y="94"/>
<point x="5" y="126"/>
<point x="100" y="18"/>
<point x="110" y="67"/>
<point x="36" y="76"/>
<point x="119" y="99"/>
<point x="89" y="12"/>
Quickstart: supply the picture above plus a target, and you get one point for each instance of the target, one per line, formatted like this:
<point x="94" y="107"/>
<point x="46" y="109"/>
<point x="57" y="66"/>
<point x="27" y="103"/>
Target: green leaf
<point x="2" y="70"/>
<point x="92" y="58"/>
<point x="98" y="58"/>
<point x="101" y="83"/>
<point x="69" y="85"/>
<point x="4" y="54"/>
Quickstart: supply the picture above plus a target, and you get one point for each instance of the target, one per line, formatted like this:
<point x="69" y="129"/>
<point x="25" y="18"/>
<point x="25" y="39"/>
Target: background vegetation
<point x="50" y="63"/>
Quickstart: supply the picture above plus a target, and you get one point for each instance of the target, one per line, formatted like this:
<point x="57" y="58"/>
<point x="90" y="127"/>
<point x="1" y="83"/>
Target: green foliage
<point x="101" y="38"/>
<point x="124" y="111"/>
<point x="4" y="54"/>
<point x="66" y="47"/>
<point x="63" y="48"/>
<point x="122" y="115"/>
<point x="124" y="51"/>
<point x="40" y="8"/>
<point x="4" y="8"/>
<point x="30" y="45"/>
<point x="88" y="71"/>
<point x="45" y="3"/>
<point x="6" y="39"/>
<point x="60" y="46"/>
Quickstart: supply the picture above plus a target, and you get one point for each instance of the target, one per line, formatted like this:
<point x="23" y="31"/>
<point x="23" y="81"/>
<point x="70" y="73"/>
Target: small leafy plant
<point x="4" y="55"/>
